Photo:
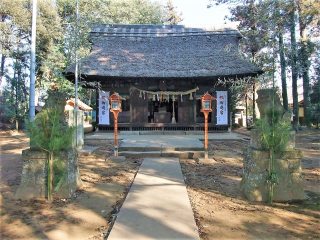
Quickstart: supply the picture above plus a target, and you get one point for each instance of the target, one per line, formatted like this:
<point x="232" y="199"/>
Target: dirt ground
<point x="91" y="212"/>
<point x="221" y="210"/>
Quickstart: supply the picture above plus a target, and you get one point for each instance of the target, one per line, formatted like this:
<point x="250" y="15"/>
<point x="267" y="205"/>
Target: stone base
<point x="287" y="167"/>
<point x="116" y="159"/>
<point x="205" y="160"/>
<point x="34" y="175"/>
<point x="255" y="140"/>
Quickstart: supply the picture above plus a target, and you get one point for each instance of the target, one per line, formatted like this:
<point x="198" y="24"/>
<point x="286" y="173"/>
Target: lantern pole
<point x="115" y="108"/>
<point x="115" y="114"/>
<point x="206" y="113"/>
<point x="206" y="102"/>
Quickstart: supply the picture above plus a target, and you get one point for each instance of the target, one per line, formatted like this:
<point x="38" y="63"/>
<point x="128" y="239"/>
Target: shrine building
<point x="161" y="71"/>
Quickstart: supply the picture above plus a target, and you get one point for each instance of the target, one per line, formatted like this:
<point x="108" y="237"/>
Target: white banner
<point x="222" y="107"/>
<point x="104" y="108"/>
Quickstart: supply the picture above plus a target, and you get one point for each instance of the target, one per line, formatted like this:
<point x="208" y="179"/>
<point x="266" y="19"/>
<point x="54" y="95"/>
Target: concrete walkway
<point x="162" y="142"/>
<point x="157" y="205"/>
<point x="164" y="138"/>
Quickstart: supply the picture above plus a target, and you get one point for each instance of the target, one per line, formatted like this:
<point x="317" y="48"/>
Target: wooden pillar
<point x="131" y="107"/>
<point x="97" y="109"/>
<point x="254" y="101"/>
<point x="194" y="110"/>
<point x="246" y="110"/>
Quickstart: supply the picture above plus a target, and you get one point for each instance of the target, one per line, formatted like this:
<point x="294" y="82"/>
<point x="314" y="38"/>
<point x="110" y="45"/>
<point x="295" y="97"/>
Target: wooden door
<point x="139" y="108"/>
<point x="185" y="110"/>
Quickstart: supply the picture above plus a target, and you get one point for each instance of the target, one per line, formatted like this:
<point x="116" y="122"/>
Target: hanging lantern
<point x="115" y="107"/>
<point x="206" y="101"/>
<point x="181" y="98"/>
<point x="144" y="95"/>
<point x="153" y="97"/>
<point x="191" y="97"/>
<point x="206" y="108"/>
<point x="115" y="102"/>
<point x="140" y="94"/>
<point x="173" y="98"/>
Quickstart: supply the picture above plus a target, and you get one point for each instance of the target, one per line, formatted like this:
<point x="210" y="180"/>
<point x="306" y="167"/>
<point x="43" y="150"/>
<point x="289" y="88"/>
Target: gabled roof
<point x="165" y="51"/>
<point x="81" y="105"/>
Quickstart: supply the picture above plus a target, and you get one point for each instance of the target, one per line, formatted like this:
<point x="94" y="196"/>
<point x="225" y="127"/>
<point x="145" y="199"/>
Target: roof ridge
<point x="163" y="30"/>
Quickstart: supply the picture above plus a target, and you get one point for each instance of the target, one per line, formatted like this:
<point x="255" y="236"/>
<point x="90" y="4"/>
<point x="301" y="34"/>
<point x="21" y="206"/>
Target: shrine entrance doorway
<point x="161" y="110"/>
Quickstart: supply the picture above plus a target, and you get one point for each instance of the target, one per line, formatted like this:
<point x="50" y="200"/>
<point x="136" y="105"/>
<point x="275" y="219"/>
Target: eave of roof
<point x="81" y="104"/>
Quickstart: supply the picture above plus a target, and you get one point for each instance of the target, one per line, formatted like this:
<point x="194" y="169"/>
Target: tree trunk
<point x="3" y="59"/>
<point x="305" y="73"/>
<point x="294" y="68"/>
<point x="282" y="60"/>
<point x="3" y="56"/>
<point x="283" y="73"/>
<point x="50" y="175"/>
<point x="254" y="101"/>
<point x="16" y="76"/>
<point x="253" y="52"/>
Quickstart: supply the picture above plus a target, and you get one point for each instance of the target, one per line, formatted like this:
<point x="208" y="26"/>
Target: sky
<point x="196" y="11"/>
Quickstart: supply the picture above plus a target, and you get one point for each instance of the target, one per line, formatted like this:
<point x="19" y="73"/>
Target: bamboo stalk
<point x="271" y="174"/>
<point x="50" y="176"/>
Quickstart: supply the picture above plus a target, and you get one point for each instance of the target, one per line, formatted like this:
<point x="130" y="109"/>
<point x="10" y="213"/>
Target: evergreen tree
<point x="49" y="59"/>
<point x="280" y="5"/>
<point x="135" y="12"/>
<point x="56" y="32"/>
<point x="14" y="22"/>
<point x="255" y="25"/>
<point x="15" y="93"/>
<point x="315" y="95"/>
<point x="315" y="103"/>
<point x="257" y="19"/>
<point x="309" y="15"/>
<point x="173" y="17"/>
<point x="294" y="66"/>
<point x="15" y="35"/>
<point x="51" y="135"/>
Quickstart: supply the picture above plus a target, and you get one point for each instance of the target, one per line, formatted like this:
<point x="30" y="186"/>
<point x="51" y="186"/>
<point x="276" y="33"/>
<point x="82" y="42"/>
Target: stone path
<point x="163" y="142"/>
<point x="164" y="138"/>
<point x="157" y="206"/>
